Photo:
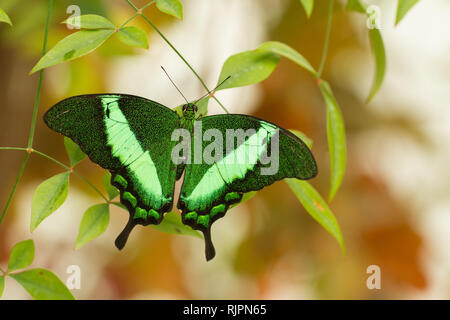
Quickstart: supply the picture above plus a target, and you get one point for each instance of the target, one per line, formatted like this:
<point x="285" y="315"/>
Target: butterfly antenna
<point x="174" y="84"/>
<point x="209" y="93"/>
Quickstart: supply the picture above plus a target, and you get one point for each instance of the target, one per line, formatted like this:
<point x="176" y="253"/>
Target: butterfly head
<point x="189" y="111"/>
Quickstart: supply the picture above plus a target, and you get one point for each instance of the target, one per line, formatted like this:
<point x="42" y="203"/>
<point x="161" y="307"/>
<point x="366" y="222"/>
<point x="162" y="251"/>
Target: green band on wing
<point x="153" y="213"/>
<point x="140" y="213"/>
<point x="232" y="197"/>
<point x="130" y="198"/>
<point x="191" y="215"/>
<point x="203" y="220"/>
<point x="126" y="147"/>
<point x="120" y="180"/>
<point x="217" y="209"/>
<point x="234" y="166"/>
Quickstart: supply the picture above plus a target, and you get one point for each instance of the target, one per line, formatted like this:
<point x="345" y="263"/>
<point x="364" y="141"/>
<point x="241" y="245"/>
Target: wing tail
<point x="121" y="240"/>
<point x="210" y="252"/>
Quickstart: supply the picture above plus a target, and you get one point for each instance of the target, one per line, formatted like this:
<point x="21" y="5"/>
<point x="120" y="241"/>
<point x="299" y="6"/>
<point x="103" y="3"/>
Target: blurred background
<point x="394" y="204"/>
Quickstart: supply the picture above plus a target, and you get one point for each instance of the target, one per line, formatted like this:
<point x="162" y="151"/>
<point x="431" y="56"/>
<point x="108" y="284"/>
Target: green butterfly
<point x="144" y="146"/>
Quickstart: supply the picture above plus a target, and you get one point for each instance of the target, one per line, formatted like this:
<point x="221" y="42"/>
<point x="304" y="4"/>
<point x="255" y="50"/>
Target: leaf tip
<point x="343" y="250"/>
<point x="331" y="195"/>
<point x="33" y="70"/>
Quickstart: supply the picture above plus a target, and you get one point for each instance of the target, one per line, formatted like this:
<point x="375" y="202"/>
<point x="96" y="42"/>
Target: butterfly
<point x="147" y="147"/>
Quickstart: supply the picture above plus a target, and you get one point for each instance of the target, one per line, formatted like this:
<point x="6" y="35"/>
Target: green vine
<point x="327" y="39"/>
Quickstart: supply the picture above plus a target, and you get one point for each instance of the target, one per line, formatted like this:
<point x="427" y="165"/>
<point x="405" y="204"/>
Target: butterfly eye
<point x="184" y="108"/>
<point x="195" y="109"/>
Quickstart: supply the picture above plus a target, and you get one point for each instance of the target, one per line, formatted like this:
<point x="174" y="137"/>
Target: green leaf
<point x="356" y="5"/>
<point x="336" y="138"/>
<point x="133" y="36"/>
<point x="308" y="5"/>
<point x="73" y="151"/>
<point x="179" y="110"/>
<point x="403" y="7"/>
<point x="247" y="68"/>
<point x="202" y="106"/>
<point x="172" y="224"/>
<point x="247" y="196"/>
<point x="22" y="255"/>
<point x="2" y="285"/>
<point x="286" y="51"/>
<point x="48" y="197"/>
<point x="302" y="137"/>
<point x="110" y="189"/>
<point x="4" y="17"/>
<point x="73" y="46"/>
<point x="43" y="284"/>
<point x="316" y="207"/>
<point x="376" y="42"/>
<point x="377" y="45"/>
<point x="172" y="7"/>
<point x="94" y="223"/>
<point x="90" y="21"/>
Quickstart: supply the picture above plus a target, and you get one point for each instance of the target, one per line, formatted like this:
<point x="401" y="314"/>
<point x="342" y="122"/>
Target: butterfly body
<point x="147" y="147"/>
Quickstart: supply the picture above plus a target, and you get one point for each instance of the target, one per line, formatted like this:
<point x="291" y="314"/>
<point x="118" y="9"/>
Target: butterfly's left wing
<point x="239" y="154"/>
<point x="131" y="137"/>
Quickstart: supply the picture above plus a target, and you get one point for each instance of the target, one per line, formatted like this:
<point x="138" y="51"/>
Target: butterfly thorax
<point x="189" y="116"/>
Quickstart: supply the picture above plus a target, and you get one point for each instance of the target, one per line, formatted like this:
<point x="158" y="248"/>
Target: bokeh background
<point x="394" y="204"/>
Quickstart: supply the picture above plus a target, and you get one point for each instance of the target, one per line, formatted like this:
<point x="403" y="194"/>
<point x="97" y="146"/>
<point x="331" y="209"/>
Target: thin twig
<point x="129" y="19"/>
<point x="13" y="190"/>
<point x="41" y="73"/>
<point x="46" y="156"/>
<point x="327" y="39"/>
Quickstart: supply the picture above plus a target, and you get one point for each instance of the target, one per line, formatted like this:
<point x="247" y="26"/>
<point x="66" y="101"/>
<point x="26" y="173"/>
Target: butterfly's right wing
<point x="131" y="137"/>
<point x="243" y="163"/>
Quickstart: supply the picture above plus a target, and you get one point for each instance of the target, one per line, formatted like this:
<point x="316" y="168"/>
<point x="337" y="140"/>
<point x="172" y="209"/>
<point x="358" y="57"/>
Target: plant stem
<point x="43" y="155"/>
<point x="34" y="117"/>
<point x="126" y="22"/>
<point x="177" y="52"/>
<point x="131" y="4"/>
<point x="13" y="190"/>
<point x="147" y="5"/>
<point x="41" y="73"/>
<point x="136" y="13"/>
<point x="327" y="39"/>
